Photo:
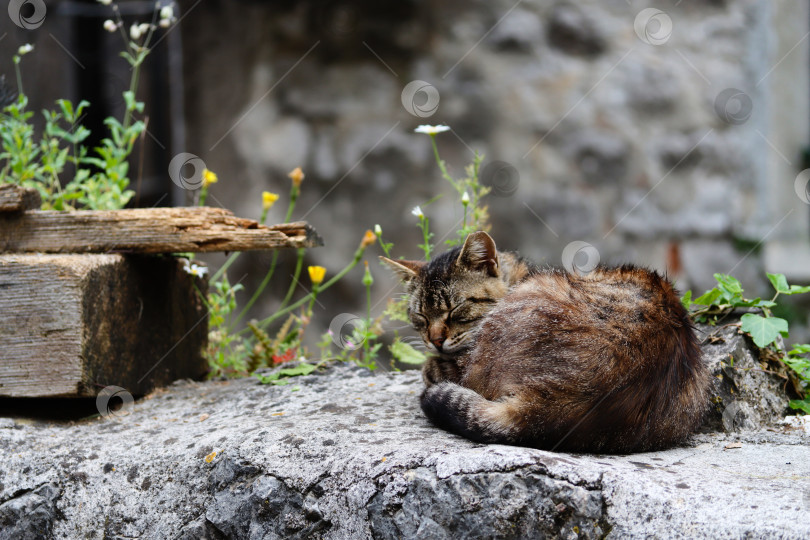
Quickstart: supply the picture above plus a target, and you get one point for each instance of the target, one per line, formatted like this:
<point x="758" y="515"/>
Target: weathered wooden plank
<point x="72" y="324"/>
<point x="14" y="198"/>
<point x="146" y="230"/>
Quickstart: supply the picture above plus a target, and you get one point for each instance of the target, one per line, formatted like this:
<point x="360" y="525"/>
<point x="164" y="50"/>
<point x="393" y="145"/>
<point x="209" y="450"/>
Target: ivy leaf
<point x="802" y="405"/>
<point x="798" y="349"/>
<point x="686" y="301"/>
<point x="796" y="289"/>
<point x="756" y="302"/>
<point x="764" y="330"/>
<point x="708" y="298"/>
<point x="406" y="354"/>
<point x="779" y="282"/>
<point x="729" y="286"/>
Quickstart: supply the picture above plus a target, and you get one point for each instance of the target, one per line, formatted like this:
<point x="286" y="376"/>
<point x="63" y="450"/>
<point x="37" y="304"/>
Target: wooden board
<point x="72" y="324"/>
<point x="146" y="230"/>
<point x="16" y="199"/>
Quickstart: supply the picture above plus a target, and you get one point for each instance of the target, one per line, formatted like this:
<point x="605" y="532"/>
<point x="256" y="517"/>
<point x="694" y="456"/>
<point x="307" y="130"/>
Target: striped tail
<point x="467" y="413"/>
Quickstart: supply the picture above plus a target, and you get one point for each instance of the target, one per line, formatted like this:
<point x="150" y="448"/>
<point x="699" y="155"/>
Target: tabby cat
<point x="605" y="362"/>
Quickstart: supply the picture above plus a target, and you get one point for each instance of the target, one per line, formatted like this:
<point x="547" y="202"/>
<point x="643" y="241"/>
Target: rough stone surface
<point x="746" y="394"/>
<point x="346" y="453"/>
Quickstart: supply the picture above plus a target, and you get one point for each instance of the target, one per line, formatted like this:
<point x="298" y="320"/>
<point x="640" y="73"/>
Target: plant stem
<point x="259" y="291"/>
<point x="315" y="290"/>
<point x="133" y="87"/>
<point x="19" y="75"/>
<point x="266" y="280"/>
<point x="366" y="345"/>
<point x="265" y="322"/>
<point x="439" y="161"/>
<point x="225" y="266"/>
<point x="299" y="263"/>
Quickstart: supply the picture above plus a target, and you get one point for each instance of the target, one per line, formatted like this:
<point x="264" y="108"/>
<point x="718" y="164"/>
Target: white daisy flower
<point x="194" y="269"/>
<point x="432" y="130"/>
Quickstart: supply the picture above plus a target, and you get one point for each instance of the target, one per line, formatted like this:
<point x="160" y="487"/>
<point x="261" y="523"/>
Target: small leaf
<point x="729" y="286"/>
<point x="708" y="298"/>
<point x="802" y="405"/>
<point x="800" y="348"/>
<point x="796" y="289"/>
<point x="277" y="377"/>
<point x="686" y="301"/>
<point x="300" y="369"/>
<point x="779" y="282"/>
<point x="406" y="354"/>
<point x="764" y="330"/>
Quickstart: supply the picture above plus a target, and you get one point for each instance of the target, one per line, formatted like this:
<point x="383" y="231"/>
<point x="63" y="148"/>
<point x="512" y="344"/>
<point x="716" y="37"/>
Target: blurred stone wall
<point x="652" y="133"/>
<point x="669" y="135"/>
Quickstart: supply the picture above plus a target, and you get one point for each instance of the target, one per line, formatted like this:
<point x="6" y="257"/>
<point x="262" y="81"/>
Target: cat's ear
<point x="405" y="270"/>
<point x="479" y="253"/>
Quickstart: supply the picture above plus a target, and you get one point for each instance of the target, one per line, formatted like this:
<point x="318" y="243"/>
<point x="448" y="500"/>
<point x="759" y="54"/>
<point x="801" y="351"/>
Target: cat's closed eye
<point x="470" y="310"/>
<point x="418" y="321"/>
<point x="462" y="315"/>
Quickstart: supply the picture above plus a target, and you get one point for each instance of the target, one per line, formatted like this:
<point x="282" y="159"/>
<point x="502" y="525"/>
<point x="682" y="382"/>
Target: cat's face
<point x="450" y="296"/>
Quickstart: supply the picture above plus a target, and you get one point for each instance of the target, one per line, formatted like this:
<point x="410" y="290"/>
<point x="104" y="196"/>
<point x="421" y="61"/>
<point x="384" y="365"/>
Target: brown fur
<point x="603" y="362"/>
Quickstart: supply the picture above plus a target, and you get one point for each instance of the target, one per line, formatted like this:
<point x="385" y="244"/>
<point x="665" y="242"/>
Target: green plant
<point x="362" y="344"/>
<point x="763" y="327"/>
<point x="235" y="351"/>
<point x="101" y="178"/>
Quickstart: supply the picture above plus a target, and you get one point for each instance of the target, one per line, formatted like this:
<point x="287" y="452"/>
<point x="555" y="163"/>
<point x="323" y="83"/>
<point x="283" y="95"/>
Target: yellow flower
<point x="316" y="274"/>
<point x="209" y="177"/>
<point x="268" y="199"/>
<point x="297" y="176"/>
<point x="368" y="239"/>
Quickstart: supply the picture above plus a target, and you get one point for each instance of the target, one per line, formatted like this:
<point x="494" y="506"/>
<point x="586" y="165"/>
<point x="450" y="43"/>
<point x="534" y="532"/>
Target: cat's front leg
<point x="437" y="369"/>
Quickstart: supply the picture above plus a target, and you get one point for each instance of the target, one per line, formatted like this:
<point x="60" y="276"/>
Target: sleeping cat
<point x="605" y="362"/>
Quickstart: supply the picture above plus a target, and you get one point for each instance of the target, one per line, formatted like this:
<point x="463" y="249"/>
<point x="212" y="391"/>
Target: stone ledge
<point x="348" y="454"/>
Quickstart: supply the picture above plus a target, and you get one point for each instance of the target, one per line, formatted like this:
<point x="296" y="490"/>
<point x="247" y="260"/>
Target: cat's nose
<point x="438" y="342"/>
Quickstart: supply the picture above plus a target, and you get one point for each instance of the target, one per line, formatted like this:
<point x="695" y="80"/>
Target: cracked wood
<point x="146" y="230"/>
<point x="16" y="199"/>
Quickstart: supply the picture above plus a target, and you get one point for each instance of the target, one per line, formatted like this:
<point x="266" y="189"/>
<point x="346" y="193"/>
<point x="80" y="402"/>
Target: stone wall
<point x="666" y="138"/>
<point x="669" y="138"/>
